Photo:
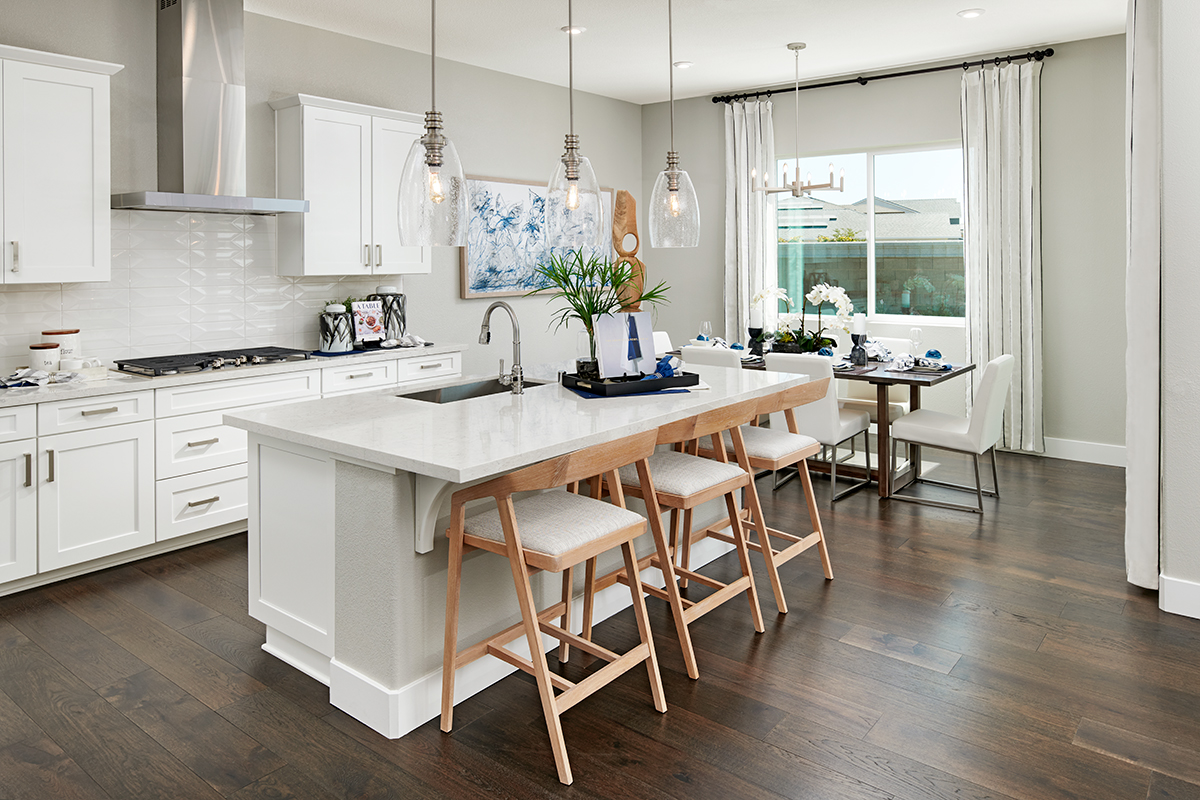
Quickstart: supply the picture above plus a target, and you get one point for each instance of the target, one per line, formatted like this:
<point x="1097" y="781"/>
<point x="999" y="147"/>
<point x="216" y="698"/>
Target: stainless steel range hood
<point x="202" y="114"/>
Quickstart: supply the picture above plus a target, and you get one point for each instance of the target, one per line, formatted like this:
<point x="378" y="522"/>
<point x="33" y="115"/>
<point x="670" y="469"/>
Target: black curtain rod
<point x="1033" y="55"/>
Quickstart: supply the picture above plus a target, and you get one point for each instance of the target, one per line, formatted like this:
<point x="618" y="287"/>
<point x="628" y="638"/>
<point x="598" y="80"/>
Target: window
<point x="901" y="254"/>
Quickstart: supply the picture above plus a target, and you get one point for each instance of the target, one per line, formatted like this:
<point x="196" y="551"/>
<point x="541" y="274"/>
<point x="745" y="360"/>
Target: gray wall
<point x="1083" y="212"/>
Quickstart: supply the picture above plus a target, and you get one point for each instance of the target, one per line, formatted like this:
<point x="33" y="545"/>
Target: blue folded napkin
<point x="666" y="368"/>
<point x="825" y="351"/>
<point x="736" y="346"/>
<point x="700" y="337"/>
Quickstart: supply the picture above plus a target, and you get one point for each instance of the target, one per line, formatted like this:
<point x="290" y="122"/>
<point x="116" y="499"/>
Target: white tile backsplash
<point x="180" y="282"/>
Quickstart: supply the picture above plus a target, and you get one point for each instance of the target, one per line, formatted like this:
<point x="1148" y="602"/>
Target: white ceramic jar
<point x="44" y="356"/>
<point x="69" y="342"/>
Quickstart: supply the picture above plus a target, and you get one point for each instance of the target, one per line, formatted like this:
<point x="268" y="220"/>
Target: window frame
<point x="870" y="154"/>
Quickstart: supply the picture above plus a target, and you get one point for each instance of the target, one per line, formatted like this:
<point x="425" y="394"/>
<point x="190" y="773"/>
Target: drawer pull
<point x="359" y="375"/>
<point x="204" y="442"/>
<point x="28" y="470"/>
<point x="16" y="262"/>
<point x="379" y="255"/>
<point x="207" y="502"/>
<point x="91" y="412"/>
<point x="431" y="366"/>
<point x="366" y="257"/>
<point x="50" y="477"/>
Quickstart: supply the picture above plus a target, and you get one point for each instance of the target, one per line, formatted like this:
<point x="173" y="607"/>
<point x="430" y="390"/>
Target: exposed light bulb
<point x="674" y="204"/>
<point x="971" y="13"/>
<point x="572" y="195"/>
<point x="436" y="194"/>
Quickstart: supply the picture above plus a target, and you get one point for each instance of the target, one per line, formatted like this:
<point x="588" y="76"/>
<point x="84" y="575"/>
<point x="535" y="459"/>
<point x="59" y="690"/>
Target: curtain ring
<point x="966" y="66"/>
<point x="997" y="61"/>
<point x="862" y="81"/>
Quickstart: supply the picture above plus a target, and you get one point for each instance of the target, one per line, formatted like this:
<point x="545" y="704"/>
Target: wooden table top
<point x="877" y="372"/>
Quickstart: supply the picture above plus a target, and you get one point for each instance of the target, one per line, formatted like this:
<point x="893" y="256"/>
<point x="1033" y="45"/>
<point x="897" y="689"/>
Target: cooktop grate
<point x="200" y="362"/>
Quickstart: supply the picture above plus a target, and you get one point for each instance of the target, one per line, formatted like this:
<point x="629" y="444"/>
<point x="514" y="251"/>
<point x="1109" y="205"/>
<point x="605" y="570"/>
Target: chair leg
<point x="568" y="585"/>
<point x="685" y="546"/>
<point x="764" y="542"/>
<point x="589" y="597"/>
<point x="978" y="484"/>
<point x="833" y="477"/>
<point x="891" y="471"/>
<point x="815" y="517"/>
<point x="450" y="644"/>
<point x="739" y="537"/>
<point x="643" y="623"/>
<point x="995" y="474"/>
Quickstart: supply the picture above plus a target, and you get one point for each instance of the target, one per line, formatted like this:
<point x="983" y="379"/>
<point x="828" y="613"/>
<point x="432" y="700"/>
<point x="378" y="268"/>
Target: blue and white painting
<point x="506" y="237"/>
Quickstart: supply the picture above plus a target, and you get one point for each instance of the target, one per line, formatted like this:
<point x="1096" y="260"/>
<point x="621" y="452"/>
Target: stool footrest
<point x="692" y="613"/>
<point x="586" y="645"/>
<point x="703" y="580"/>
<point x="524" y="664"/>
<point x="505" y="636"/>
<point x="600" y="677"/>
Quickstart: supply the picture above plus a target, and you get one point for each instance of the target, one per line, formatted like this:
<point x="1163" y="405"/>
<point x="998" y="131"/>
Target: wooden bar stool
<point x="683" y="481"/>
<point x="770" y="449"/>
<point x="551" y="531"/>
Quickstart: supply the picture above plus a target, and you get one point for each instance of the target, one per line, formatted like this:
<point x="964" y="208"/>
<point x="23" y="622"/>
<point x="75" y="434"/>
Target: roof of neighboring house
<point x="809" y="218"/>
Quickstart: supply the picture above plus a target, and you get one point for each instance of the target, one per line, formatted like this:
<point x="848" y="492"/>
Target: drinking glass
<point x="706" y="330"/>
<point x="914" y="334"/>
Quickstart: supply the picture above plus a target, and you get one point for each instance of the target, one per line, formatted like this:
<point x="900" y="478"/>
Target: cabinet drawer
<point x="196" y="442"/>
<point x="200" y="501"/>
<point x="220" y="395"/>
<point x="443" y="366"/>
<point x="94" y="412"/>
<point x="18" y="422"/>
<point x="348" y="377"/>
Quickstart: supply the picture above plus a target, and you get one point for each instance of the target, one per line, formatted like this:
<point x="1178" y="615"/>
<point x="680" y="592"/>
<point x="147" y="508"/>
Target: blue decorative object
<point x="506" y="238"/>
<point x="825" y="351"/>
<point x="933" y="353"/>
<point x="736" y="346"/>
<point x="700" y="337"/>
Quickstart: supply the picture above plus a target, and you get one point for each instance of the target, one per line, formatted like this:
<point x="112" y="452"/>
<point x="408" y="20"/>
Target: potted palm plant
<point x="591" y="286"/>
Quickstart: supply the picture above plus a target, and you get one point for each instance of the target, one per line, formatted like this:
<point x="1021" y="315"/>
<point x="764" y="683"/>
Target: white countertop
<point x="485" y="436"/>
<point x="125" y="382"/>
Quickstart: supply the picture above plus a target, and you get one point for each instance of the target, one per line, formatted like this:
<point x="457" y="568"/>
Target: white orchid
<point x="822" y="293"/>
<point x="774" y="293"/>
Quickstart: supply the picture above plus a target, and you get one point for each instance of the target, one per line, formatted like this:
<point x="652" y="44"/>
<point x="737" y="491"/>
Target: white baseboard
<point x="1112" y="455"/>
<point x="1179" y="596"/>
<point x="395" y="712"/>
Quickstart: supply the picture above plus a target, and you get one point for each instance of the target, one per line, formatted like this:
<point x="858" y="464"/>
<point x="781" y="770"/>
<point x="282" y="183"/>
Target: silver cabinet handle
<point x="50" y="477"/>
<point x="379" y="255"/>
<point x="366" y="255"/>
<point x="359" y="375"/>
<point x="16" y="267"/>
<point x="91" y="412"/>
<point x="28" y="470"/>
<point x="431" y="366"/>
<point x="207" y="502"/>
<point x="205" y="442"/>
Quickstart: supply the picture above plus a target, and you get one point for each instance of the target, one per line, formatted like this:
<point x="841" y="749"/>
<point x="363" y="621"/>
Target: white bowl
<point x="701" y="343"/>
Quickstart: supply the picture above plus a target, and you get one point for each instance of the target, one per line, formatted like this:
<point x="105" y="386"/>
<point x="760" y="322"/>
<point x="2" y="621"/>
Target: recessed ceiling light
<point x="971" y="13"/>
<point x="574" y="31"/>
<point x="682" y="64"/>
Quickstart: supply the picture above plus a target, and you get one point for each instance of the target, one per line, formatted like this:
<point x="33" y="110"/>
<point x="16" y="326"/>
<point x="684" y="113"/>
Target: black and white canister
<point x="337" y="329"/>
<point x="395" y="318"/>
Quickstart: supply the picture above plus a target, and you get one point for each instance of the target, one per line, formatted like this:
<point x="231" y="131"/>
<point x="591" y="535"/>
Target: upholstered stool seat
<point x="554" y="523"/>
<point x="770" y="444"/>
<point x="682" y="474"/>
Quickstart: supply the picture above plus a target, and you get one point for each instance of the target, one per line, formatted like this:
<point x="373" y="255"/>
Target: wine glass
<point x="914" y="335"/>
<point x="706" y="330"/>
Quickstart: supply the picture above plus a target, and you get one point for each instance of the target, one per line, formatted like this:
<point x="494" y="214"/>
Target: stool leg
<point x="643" y="623"/>
<point x="815" y="516"/>
<point x="739" y="536"/>
<point x="450" y="644"/>
<point x="764" y="541"/>
<point x="685" y="546"/>
<point x="568" y="584"/>
<point x="589" y="597"/>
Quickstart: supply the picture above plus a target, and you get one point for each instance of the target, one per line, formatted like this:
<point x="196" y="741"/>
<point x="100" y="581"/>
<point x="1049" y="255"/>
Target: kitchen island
<point x="345" y="498"/>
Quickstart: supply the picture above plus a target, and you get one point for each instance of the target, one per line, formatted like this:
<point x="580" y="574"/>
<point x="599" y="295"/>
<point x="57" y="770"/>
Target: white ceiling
<point x="735" y="44"/>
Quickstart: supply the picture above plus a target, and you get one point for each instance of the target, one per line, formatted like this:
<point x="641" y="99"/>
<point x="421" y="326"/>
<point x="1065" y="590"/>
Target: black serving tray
<point x="629" y="385"/>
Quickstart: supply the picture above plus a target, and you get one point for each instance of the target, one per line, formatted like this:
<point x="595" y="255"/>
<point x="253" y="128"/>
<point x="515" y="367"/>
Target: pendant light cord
<point x="571" y="65"/>
<point x="433" y="55"/>
<point x="797" y="117"/>
<point x="671" y="67"/>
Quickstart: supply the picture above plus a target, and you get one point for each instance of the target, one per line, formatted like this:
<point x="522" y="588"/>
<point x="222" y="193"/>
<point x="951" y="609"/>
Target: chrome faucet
<point x="516" y="378"/>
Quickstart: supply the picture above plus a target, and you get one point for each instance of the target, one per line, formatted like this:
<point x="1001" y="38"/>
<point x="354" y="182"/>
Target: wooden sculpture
<point x="624" y="224"/>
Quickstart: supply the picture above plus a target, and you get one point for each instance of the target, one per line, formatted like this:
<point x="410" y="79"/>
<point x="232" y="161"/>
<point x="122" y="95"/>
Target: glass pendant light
<point x="574" y="211"/>
<point x="433" y="191"/>
<point x="674" y="211"/>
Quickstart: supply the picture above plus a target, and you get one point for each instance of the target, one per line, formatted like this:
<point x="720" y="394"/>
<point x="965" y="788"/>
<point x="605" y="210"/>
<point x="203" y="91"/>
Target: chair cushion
<point x="682" y="474"/>
<point x="895" y="410"/>
<point x="769" y="443"/>
<point x="555" y="522"/>
<point x="934" y="428"/>
<point x="851" y="423"/>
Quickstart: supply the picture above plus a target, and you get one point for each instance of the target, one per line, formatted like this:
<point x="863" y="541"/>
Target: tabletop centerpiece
<point x="789" y="339"/>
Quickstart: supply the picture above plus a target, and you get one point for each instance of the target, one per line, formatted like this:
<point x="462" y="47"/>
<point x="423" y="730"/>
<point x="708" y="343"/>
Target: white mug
<point x="44" y="356"/>
<point x="68" y="340"/>
<point x="70" y="364"/>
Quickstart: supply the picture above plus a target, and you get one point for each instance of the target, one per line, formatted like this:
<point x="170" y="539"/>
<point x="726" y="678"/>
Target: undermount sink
<point x="464" y="391"/>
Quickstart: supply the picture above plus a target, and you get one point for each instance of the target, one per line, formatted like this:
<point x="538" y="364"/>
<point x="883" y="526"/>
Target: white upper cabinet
<point x="346" y="160"/>
<point x="54" y="171"/>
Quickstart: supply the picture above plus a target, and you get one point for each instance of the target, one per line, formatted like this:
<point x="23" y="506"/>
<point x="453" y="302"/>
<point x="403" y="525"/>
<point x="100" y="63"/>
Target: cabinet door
<point x="391" y="140"/>
<point x="337" y="184"/>
<point x="18" y="511"/>
<point x="56" y="175"/>
<point x="95" y="493"/>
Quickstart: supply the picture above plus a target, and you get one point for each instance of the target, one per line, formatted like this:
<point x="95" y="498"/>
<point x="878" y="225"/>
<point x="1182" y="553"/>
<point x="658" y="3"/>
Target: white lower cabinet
<point x="200" y="501"/>
<point x="18" y="510"/>
<point x="95" y="493"/>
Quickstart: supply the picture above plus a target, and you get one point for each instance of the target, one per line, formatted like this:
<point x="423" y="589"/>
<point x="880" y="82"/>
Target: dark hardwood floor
<point x="952" y="657"/>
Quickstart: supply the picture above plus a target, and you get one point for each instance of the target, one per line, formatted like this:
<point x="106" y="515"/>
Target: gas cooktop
<point x="201" y="362"/>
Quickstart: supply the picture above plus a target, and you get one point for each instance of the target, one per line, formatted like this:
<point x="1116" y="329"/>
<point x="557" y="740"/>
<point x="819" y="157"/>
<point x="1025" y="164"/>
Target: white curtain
<point x="1143" y="162"/>
<point x="1001" y="124"/>
<point x="751" y="237"/>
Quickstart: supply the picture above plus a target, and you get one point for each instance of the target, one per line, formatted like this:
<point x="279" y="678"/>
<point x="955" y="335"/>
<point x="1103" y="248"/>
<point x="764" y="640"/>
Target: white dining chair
<point x="862" y="396"/>
<point x="823" y="420"/>
<point x="711" y="356"/>
<point x="662" y="343"/>
<point x="973" y="435"/>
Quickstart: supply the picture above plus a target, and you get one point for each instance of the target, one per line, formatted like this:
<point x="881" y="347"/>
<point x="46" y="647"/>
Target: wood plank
<point x="287" y="783"/>
<point x="901" y="649"/>
<point x="211" y="680"/>
<point x="163" y="602"/>
<point x="1164" y="787"/>
<point x="118" y="756"/>
<point x="1154" y="754"/>
<point x="229" y="599"/>
<point x="203" y="740"/>
<point x="15" y="724"/>
<point x="40" y="768"/>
